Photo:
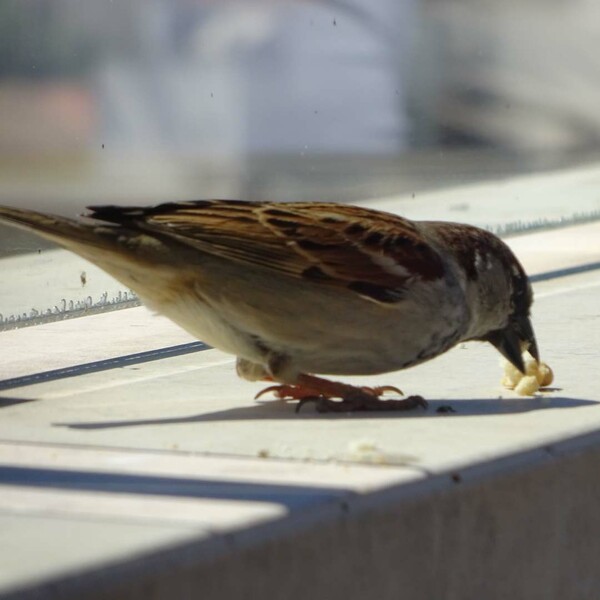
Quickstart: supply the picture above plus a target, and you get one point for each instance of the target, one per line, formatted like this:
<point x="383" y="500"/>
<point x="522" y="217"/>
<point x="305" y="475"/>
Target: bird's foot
<point x="322" y="392"/>
<point x="362" y="401"/>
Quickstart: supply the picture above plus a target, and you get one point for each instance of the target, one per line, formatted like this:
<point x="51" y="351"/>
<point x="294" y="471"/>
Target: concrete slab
<point x="39" y="548"/>
<point x="50" y="346"/>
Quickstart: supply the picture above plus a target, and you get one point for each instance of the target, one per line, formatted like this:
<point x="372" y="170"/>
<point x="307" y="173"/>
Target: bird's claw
<point x="288" y="392"/>
<point x="382" y="389"/>
<point x="271" y="388"/>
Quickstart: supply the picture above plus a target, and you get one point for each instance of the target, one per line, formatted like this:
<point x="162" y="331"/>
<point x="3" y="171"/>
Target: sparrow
<point x="301" y="289"/>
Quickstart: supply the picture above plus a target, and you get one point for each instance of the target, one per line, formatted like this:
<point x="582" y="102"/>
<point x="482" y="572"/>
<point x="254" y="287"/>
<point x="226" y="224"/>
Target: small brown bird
<point x="302" y="288"/>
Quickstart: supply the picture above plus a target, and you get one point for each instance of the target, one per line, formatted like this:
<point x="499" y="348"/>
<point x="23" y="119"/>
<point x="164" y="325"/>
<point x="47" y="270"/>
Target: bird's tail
<point x="77" y="237"/>
<point x="125" y="254"/>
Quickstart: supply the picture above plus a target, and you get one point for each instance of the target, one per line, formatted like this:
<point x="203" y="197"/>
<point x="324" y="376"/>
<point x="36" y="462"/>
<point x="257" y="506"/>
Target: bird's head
<point x="505" y="297"/>
<point x="497" y="288"/>
<point x="516" y="335"/>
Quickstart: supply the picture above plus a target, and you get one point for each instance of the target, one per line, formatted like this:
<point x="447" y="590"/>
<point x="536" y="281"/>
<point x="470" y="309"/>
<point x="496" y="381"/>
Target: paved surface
<point x="161" y="478"/>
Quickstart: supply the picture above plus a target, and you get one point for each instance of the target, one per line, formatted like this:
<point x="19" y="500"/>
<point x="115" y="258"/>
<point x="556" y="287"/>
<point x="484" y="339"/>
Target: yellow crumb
<point x="367" y="451"/>
<point x="522" y="383"/>
<point x="531" y="365"/>
<point x="528" y="386"/>
<point x="512" y="376"/>
<point x="545" y="375"/>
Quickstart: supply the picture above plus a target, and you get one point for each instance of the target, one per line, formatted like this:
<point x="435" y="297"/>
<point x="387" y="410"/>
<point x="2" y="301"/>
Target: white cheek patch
<point x="483" y="261"/>
<point x="478" y="261"/>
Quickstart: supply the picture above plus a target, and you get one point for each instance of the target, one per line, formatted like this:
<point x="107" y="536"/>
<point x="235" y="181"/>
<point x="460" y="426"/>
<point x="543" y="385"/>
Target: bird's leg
<point x="309" y="388"/>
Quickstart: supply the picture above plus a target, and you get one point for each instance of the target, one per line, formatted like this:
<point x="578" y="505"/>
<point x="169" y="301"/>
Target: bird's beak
<point x="514" y="339"/>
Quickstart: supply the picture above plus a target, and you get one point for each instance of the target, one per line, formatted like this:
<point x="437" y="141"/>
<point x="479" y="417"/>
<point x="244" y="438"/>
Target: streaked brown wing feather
<point x="372" y="253"/>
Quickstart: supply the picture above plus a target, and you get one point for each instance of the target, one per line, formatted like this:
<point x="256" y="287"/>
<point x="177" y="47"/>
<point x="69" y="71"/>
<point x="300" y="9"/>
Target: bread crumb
<point x="513" y="379"/>
<point x="528" y="386"/>
<point x="263" y="453"/>
<point x="363" y="445"/>
<point x="512" y="376"/>
<point x="531" y="365"/>
<point x="366" y="450"/>
<point x="545" y="375"/>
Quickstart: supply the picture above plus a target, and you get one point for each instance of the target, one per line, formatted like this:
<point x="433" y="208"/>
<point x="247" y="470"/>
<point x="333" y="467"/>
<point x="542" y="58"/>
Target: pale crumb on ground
<point x="528" y="386"/>
<point x="512" y="376"/>
<point x="545" y="375"/>
<point x="531" y="365"/>
<point x="362" y="445"/>
<point x="365" y="450"/>
<point x="522" y="384"/>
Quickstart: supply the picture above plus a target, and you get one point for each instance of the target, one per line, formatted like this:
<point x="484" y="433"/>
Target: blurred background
<point x="142" y="101"/>
<point x="148" y="100"/>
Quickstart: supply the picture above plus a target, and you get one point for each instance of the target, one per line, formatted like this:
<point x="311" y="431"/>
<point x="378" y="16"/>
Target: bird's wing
<point x="372" y="253"/>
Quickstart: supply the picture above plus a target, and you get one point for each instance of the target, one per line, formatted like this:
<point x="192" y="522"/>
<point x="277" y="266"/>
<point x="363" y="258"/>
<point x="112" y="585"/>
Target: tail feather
<point x="63" y="231"/>
<point x="123" y="253"/>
